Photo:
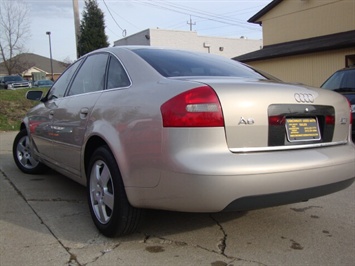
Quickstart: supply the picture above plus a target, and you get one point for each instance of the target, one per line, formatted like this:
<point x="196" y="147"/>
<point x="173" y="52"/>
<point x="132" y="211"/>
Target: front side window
<point x="61" y="85"/>
<point x="91" y="75"/>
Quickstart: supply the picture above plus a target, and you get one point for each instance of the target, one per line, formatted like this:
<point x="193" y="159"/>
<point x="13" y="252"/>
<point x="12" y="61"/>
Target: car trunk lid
<point x="260" y="114"/>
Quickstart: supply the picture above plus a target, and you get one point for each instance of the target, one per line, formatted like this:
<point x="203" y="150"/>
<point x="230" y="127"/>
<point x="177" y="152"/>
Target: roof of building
<point x="262" y="12"/>
<point x="311" y="45"/>
<point x="28" y="60"/>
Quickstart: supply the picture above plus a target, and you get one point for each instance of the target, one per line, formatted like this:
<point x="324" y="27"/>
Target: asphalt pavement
<point x="44" y="220"/>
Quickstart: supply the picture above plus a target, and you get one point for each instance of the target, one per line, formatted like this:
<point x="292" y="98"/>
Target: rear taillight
<point x="198" y="107"/>
<point x="330" y="120"/>
<point x="277" y="120"/>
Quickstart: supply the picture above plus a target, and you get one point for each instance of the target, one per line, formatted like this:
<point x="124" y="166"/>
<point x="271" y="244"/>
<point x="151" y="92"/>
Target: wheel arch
<point x="22" y="126"/>
<point x="112" y="143"/>
<point x="91" y="145"/>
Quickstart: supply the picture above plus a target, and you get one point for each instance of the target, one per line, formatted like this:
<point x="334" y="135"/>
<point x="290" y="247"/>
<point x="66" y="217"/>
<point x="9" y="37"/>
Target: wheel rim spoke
<point x="102" y="212"/>
<point x="21" y="148"/>
<point x="105" y="176"/>
<point x="32" y="161"/>
<point x="108" y="200"/>
<point x="22" y="159"/>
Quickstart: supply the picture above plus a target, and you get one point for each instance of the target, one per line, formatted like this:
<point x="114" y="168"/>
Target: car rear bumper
<point x="269" y="200"/>
<point x="248" y="181"/>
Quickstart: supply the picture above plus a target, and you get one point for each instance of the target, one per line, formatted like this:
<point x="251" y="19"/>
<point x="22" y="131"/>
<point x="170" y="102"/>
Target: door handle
<point x="84" y="112"/>
<point x="51" y="114"/>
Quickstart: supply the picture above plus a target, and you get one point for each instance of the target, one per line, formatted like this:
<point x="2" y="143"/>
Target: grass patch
<point x="13" y="107"/>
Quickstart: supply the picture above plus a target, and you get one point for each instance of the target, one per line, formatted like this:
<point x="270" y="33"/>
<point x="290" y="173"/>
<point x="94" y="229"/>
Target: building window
<point x="350" y="60"/>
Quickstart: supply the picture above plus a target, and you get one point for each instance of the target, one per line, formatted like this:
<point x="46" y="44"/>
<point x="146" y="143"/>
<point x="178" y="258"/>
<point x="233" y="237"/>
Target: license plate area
<point x="302" y="129"/>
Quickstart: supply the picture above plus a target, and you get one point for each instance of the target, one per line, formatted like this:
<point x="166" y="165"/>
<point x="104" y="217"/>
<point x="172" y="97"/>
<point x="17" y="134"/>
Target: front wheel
<point x="23" y="156"/>
<point x="110" y="210"/>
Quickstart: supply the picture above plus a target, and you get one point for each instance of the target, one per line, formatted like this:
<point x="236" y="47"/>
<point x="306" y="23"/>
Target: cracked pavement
<point x="45" y="220"/>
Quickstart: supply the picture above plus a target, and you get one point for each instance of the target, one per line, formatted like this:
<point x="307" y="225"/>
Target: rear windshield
<point x="173" y="63"/>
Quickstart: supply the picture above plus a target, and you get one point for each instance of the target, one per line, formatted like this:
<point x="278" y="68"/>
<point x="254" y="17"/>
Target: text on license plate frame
<point x="302" y="129"/>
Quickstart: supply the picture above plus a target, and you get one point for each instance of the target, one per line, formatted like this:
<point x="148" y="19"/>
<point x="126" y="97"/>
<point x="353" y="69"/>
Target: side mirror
<point x="34" y="95"/>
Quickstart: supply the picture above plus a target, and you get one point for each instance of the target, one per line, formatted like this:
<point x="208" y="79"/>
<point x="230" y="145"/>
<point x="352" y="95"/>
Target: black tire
<point x="22" y="154"/>
<point x="110" y="210"/>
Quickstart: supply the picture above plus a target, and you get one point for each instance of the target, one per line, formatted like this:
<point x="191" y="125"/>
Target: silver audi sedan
<point x="151" y="128"/>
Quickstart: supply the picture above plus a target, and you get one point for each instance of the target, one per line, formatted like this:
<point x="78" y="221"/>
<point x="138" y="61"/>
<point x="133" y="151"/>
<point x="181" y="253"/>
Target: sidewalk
<point x="24" y="238"/>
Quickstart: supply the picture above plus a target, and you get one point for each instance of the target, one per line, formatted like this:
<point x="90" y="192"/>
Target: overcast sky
<point x="224" y="18"/>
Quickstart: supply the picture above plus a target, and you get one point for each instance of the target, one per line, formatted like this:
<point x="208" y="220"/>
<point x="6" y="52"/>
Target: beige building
<point x="190" y="40"/>
<point x="305" y="40"/>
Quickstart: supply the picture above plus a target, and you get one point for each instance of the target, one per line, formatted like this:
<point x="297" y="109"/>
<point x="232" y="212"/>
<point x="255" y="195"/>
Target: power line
<point x="197" y="13"/>
<point x="228" y="18"/>
<point x="124" y="32"/>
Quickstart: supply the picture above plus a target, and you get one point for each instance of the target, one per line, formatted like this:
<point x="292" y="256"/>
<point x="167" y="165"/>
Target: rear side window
<point x="173" y="63"/>
<point x="117" y="76"/>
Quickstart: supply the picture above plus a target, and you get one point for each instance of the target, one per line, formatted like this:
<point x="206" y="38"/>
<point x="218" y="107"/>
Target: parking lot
<point x="45" y="220"/>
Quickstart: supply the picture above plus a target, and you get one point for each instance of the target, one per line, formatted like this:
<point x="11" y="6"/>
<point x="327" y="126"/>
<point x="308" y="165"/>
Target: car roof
<point x="112" y="49"/>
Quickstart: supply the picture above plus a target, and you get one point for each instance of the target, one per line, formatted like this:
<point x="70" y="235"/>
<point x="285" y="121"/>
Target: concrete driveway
<point x="45" y="220"/>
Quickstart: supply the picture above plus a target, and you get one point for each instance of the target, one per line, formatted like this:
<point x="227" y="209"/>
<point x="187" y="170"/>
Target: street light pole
<point x="50" y="52"/>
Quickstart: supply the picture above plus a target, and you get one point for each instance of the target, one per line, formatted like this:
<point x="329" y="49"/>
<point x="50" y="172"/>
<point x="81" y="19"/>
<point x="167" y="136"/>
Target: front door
<point x="41" y="119"/>
<point x="71" y="117"/>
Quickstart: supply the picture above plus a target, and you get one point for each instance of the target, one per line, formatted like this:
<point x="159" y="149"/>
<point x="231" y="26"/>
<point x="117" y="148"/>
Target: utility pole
<point x="190" y="23"/>
<point x="76" y="24"/>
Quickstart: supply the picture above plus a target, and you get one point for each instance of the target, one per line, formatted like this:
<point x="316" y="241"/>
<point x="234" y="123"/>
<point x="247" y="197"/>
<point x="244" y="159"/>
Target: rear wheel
<point x="109" y="207"/>
<point x="23" y="156"/>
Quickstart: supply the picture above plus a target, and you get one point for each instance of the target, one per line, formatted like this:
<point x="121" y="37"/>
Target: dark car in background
<point x="14" y="82"/>
<point x="43" y="83"/>
<point x="343" y="82"/>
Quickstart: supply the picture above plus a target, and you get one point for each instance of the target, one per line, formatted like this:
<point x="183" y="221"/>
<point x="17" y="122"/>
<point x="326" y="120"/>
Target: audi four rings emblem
<point x="304" y="98"/>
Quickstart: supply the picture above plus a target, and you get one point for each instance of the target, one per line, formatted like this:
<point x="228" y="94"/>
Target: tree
<point x="92" y="29"/>
<point x="14" y="31"/>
